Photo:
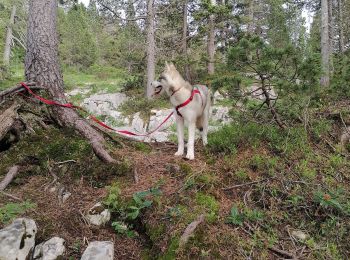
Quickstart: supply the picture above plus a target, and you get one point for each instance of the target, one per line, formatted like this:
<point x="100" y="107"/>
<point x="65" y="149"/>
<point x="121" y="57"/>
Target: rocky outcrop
<point x="18" y="239"/>
<point x="104" y="104"/>
<point x="99" y="250"/>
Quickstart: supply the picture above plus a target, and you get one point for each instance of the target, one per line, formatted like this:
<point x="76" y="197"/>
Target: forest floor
<point x="257" y="202"/>
<point x="265" y="193"/>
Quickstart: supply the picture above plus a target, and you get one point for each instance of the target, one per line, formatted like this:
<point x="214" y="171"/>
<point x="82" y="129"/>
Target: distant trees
<point x="8" y="41"/>
<point x="325" y="43"/>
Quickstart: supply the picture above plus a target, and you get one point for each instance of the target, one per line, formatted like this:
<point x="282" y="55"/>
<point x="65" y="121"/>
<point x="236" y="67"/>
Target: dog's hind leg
<point x="180" y="135"/>
<point x="190" y="144"/>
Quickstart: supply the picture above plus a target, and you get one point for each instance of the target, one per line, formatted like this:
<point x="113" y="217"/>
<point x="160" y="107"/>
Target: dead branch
<point x="18" y="88"/>
<point x="14" y="170"/>
<point x="246" y="184"/>
<point x="136" y="176"/>
<point x="282" y="252"/>
<point x="10" y="196"/>
<point x="189" y="230"/>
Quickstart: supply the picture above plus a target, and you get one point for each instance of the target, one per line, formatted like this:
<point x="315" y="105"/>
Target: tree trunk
<point x="184" y="40"/>
<point x="341" y="28"/>
<point x="251" y="26"/>
<point x="42" y="67"/>
<point x="331" y="35"/>
<point x="211" y="42"/>
<point x="325" y="48"/>
<point x="150" y="48"/>
<point x="8" y="41"/>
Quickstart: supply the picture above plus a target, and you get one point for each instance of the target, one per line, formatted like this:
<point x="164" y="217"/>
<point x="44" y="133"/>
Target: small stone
<point x="98" y="215"/>
<point x="18" y="239"/>
<point x="98" y="250"/>
<point x="65" y="196"/>
<point x="49" y="250"/>
<point x="298" y="234"/>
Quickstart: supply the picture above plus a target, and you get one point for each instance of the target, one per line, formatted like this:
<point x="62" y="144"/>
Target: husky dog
<point x="192" y="104"/>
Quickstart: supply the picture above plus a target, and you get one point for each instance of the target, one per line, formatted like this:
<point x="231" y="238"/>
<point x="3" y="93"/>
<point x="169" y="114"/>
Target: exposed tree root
<point x="18" y="88"/>
<point x="65" y="116"/>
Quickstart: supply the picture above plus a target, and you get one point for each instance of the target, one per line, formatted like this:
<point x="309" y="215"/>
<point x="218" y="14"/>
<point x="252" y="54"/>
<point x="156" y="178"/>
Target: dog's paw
<point x="179" y="153"/>
<point x="190" y="156"/>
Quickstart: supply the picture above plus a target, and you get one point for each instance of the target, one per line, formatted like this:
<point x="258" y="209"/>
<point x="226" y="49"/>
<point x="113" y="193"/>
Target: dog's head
<point x="169" y="81"/>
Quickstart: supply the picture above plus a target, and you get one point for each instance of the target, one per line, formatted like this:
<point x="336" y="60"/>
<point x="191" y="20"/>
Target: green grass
<point x="17" y="75"/>
<point x="96" y="78"/>
<point x="11" y="210"/>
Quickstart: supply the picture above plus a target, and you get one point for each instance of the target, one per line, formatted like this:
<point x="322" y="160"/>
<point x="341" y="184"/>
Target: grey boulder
<point x="18" y="239"/>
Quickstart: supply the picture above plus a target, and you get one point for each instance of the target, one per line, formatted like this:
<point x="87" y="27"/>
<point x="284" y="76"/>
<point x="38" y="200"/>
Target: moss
<point x="143" y="147"/>
<point x="155" y="232"/>
<point x="170" y="253"/>
<point x="210" y="205"/>
<point x="185" y="168"/>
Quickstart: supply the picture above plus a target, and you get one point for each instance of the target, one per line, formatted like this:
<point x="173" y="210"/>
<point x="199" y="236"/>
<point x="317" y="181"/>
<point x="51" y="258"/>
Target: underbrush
<point x="295" y="178"/>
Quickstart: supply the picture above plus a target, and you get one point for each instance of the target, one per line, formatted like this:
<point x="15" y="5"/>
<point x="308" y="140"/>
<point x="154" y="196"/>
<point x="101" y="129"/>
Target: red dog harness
<point x="194" y="91"/>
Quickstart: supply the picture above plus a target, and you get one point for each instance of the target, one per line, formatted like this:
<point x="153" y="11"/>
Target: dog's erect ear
<point x="172" y="66"/>
<point x="167" y="67"/>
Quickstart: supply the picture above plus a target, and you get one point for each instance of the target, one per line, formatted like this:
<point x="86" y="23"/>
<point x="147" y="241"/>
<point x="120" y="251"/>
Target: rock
<point x="220" y="114"/>
<point x="18" y="239"/>
<point x="298" y="234"/>
<point x="77" y="91"/>
<point x="49" y="250"/>
<point x="104" y="104"/>
<point x="98" y="250"/>
<point x="98" y="215"/>
<point x="217" y="97"/>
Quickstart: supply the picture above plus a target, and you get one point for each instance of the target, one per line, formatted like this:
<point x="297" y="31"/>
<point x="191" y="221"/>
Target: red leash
<point x="69" y="105"/>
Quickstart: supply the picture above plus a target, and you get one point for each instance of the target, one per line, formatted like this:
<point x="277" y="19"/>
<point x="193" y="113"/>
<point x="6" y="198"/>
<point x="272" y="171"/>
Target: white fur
<point x="196" y="113"/>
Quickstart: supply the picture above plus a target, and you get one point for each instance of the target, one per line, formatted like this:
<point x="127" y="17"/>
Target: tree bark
<point x="42" y="67"/>
<point x="331" y="35"/>
<point x="150" y="48"/>
<point x="184" y="39"/>
<point x="211" y="42"/>
<point x="325" y="48"/>
<point x="8" y="41"/>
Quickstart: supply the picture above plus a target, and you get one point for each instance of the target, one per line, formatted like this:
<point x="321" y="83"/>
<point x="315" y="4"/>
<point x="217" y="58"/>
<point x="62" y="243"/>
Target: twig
<point x="136" y="176"/>
<point x="10" y="195"/>
<point x="14" y="170"/>
<point x="68" y="161"/>
<point x="246" y="184"/>
<point x="282" y="252"/>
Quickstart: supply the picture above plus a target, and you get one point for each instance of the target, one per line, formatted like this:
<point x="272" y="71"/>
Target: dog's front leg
<point x="180" y="135"/>
<point x="190" y="144"/>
